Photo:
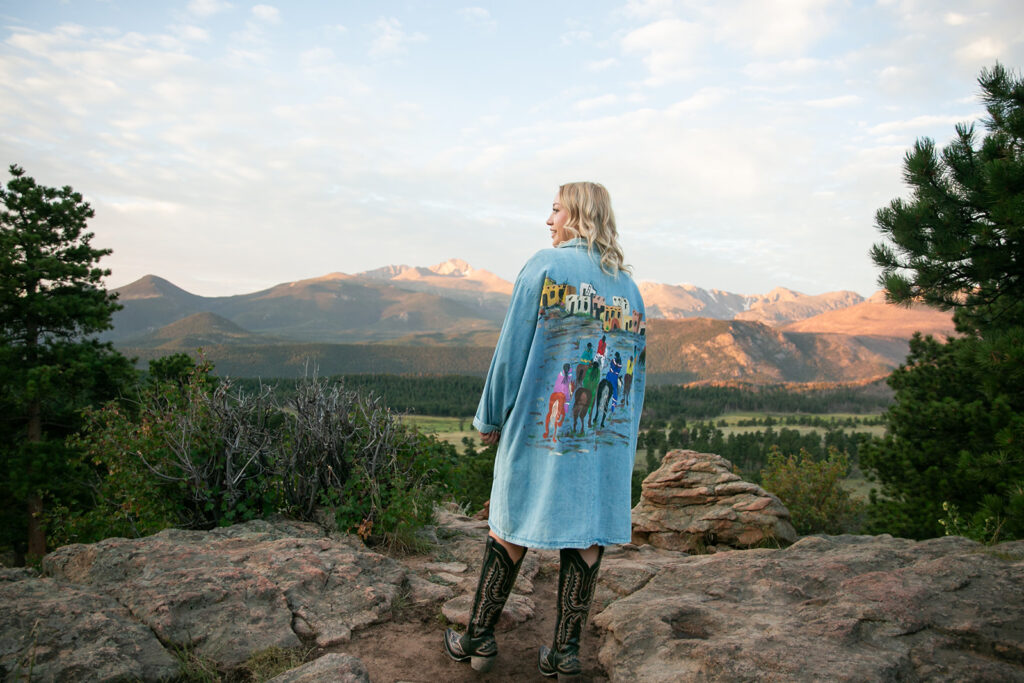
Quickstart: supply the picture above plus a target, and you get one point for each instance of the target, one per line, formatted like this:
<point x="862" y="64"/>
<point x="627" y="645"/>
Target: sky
<point x="229" y="146"/>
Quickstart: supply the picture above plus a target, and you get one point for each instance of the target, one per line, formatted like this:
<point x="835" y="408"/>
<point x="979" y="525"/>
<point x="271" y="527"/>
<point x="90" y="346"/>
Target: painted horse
<point x="580" y="408"/>
<point x="604" y="396"/>
<point x="556" y="410"/>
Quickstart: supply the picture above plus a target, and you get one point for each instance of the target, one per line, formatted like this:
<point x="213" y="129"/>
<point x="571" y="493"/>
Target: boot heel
<point x="482" y="664"/>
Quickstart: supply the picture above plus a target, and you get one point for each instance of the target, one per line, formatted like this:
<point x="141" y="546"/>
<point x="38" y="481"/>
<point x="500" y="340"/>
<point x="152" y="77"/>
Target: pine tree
<point x="51" y="303"/>
<point x="956" y="430"/>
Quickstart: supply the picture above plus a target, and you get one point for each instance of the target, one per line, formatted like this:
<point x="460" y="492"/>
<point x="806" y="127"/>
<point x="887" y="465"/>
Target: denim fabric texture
<point x="566" y="387"/>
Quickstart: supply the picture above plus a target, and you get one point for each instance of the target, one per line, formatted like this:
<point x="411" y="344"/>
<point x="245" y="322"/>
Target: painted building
<point x="623" y="303"/>
<point x="553" y="294"/>
<point x="612" y="318"/>
<point x="578" y="304"/>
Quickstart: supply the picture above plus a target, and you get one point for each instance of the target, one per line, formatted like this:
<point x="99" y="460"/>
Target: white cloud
<point x="834" y="102"/>
<point x="982" y="50"/>
<point x="702" y="99"/>
<point x="955" y="19"/>
<point x="645" y="9"/>
<point x="574" y="37"/>
<point x="192" y="34"/>
<point x="389" y="38"/>
<point x="478" y="17"/>
<point x="787" y="68"/>
<point x="596" y="102"/>
<point x="773" y="27"/>
<point x="266" y="14"/>
<point x="602" y="64"/>
<point x="316" y="58"/>
<point x="240" y="57"/>
<point x="920" y="123"/>
<point x="669" y="47"/>
<point x="206" y="8"/>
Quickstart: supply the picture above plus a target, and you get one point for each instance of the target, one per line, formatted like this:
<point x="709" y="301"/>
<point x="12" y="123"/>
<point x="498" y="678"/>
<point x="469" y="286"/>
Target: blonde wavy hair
<point x="591" y="217"/>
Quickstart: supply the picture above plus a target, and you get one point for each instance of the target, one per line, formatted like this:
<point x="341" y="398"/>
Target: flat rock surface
<point x="59" y="632"/>
<point x="229" y="592"/>
<point x="839" y="608"/>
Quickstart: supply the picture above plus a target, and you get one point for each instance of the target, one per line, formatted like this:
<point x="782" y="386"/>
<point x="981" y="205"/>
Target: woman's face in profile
<point x="556" y="222"/>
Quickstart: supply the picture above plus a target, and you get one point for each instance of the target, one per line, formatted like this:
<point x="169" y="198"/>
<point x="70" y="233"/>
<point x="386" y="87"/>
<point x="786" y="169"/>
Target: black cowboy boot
<point x="497" y="577"/>
<point x="576" y="584"/>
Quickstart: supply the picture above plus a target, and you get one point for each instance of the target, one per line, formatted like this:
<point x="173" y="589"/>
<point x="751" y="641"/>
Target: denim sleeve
<point x="508" y="364"/>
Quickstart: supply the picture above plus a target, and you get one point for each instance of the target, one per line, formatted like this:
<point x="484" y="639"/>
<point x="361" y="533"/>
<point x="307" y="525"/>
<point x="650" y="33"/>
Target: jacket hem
<point x="558" y="545"/>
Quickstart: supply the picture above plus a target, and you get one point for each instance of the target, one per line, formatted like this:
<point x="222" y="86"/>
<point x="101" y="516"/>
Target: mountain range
<point x="446" y="318"/>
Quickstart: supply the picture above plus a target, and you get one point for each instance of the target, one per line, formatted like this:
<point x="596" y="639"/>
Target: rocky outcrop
<point x="220" y="594"/>
<point x="694" y="501"/>
<point x="250" y="586"/>
<point x="825" y="608"/>
<point x="839" y="608"/>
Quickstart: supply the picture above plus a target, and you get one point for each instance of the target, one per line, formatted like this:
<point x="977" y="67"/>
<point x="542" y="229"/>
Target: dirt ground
<point x="409" y="648"/>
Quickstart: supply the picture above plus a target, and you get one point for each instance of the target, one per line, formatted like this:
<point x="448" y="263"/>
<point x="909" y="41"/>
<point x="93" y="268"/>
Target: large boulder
<point x="226" y="593"/>
<point x="837" y="608"/>
<point x="695" y="500"/>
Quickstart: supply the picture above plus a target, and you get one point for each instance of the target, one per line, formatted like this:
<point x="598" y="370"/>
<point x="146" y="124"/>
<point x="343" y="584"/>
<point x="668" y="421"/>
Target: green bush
<point x="186" y="452"/>
<point x="346" y="451"/>
<point x="997" y="518"/>
<point x="810" y="490"/>
<point x="193" y="452"/>
<point x="473" y="474"/>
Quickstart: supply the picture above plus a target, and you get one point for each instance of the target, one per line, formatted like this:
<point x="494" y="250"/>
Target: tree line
<point x="748" y="451"/>
<point x="457" y="396"/>
<point x="667" y="402"/>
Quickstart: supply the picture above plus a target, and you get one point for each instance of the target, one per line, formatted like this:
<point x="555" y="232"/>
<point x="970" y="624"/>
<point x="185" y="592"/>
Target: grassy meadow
<point x="454" y="429"/>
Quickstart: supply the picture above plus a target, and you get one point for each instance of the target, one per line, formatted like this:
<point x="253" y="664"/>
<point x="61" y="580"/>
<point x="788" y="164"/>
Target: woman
<point x="571" y="492"/>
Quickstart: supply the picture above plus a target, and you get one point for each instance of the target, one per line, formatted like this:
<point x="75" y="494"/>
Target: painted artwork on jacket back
<point x="593" y="349"/>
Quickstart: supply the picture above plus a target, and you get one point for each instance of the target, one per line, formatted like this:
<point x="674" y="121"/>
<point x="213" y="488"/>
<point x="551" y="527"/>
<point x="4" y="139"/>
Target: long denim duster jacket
<point x="566" y="387"/>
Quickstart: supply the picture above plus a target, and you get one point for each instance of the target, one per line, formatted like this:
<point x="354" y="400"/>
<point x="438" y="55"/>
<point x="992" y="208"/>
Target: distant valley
<point x="445" y="319"/>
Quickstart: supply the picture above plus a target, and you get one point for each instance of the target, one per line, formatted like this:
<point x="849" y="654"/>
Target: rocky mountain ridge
<point x="396" y="300"/>
<point x="697" y="335"/>
<point x="873" y="315"/>
<point x="779" y="306"/>
<point x="702" y="349"/>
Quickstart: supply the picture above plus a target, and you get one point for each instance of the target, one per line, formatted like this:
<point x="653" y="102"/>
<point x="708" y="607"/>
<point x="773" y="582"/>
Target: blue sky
<point x="229" y="146"/>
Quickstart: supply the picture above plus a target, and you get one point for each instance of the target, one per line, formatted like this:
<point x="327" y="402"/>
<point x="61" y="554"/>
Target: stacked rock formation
<point x="695" y="501"/>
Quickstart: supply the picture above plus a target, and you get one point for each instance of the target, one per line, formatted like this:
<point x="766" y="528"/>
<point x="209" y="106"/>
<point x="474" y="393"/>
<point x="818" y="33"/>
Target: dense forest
<point x="457" y="396"/>
<point x="749" y="450"/>
<point x="704" y="401"/>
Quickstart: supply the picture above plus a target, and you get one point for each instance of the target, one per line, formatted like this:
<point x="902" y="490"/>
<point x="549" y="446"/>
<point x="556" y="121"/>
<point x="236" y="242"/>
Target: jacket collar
<point x="574" y="242"/>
